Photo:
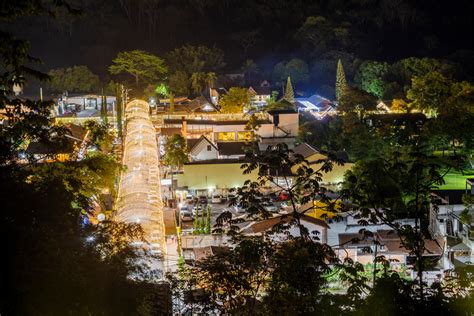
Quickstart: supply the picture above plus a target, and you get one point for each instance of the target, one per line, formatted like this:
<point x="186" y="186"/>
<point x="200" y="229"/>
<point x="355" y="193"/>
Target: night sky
<point x="266" y="31"/>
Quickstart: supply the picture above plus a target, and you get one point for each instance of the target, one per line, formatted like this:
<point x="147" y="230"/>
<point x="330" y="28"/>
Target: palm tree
<point x="249" y="67"/>
<point x="199" y="80"/>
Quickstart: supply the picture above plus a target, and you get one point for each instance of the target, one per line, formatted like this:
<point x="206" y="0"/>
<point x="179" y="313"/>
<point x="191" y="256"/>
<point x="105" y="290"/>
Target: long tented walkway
<point x="139" y="196"/>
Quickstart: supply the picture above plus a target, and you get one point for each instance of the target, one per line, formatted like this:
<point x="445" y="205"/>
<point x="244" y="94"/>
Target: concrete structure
<point x="447" y="220"/>
<point x="213" y="175"/>
<point x="232" y="127"/>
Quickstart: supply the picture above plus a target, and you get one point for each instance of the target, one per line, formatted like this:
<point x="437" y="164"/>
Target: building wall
<point x="289" y="122"/>
<point x="369" y="258"/>
<point x="265" y="130"/>
<point x="334" y="176"/>
<point x="201" y="152"/>
<point x="213" y="176"/>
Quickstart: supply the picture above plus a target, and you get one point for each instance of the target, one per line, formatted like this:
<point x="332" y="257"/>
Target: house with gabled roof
<point x="201" y="149"/>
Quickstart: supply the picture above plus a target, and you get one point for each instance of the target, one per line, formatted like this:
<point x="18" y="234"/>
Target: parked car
<point x="238" y="208"/>
<point x="285" y="208"/>
<point x="197" y="209"/>
<point x="186" y="216"/>
<point x="216" y="199"/>
<point x="156" y="250"/>
<point x="202" y="199"/>
<point x="283" y="196"/>
<point x="270" y="207"/>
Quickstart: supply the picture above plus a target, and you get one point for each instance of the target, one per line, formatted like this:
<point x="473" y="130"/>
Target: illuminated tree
<point x="341" y="83"/>
<point x="140" y="65"/>
<point x="289" y="94"/>
<point x="370" y="77"/>
<point x="119" y="107"/>
<point x="430" y="92"/>
<point x="235" y="100"/>
<point x="400" y="105"/>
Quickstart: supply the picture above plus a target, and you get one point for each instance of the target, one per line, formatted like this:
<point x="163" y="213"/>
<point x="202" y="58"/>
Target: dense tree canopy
<point x="297" y="69"/>
<point x="139" y="64"/>
<point x="235" y="100"/>
<point x="193" y="67"/>
<point x="176" y="153"/>
<point x="74" y="79"/>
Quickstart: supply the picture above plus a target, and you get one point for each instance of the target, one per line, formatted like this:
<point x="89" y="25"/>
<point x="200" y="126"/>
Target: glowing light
<point x="139" y="196"/>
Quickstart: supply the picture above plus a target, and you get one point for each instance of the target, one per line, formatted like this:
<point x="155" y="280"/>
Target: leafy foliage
<point x="74" y="79"/>
<point x="175" y="151"/>
<point x="370" y="77"/>
<point x="297" y="69"/>
<point x="139" y="64"/>
<point x="341" y="83"/>
<point x="235" y="100"/>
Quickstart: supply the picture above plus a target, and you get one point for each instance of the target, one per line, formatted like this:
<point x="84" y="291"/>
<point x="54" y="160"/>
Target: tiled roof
<point x="304" y="150"/>
<point x="262" y="90"/>
<point x="191" y="142"/>
<point x="267" y="224"/>
<point x="353" y="239"/>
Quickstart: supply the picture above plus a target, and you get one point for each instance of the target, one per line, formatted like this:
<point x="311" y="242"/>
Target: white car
<point x="186" y="216"/>
<point x="197" y="209"/>
<point x="270" y="207"/>
<point x="216" y="199"/>
<point x="156" y="250"/>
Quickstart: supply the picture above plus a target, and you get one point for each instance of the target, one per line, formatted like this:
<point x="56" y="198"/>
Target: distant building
<point x="275" y="126"/>
<point x="71" y="147"/>
<point x="317" y="105"/>
<point x="260" y="95"/>
<point x="316" y="227"/>
<point x="447" y="221"/>
<point x="73" y="103"/>
<point x="201" y="149"/>
<point x="224" y="172"/>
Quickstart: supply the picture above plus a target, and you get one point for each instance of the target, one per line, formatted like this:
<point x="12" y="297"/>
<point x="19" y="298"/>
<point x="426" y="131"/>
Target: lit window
<point x="226" y="136"/>
<point x="244" y="135"/>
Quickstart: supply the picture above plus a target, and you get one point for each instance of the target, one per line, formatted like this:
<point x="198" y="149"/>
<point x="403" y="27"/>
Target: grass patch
<point x="455" y="180"/>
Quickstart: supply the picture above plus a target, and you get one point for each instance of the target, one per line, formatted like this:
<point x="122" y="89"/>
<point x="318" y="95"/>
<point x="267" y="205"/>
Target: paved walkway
<point x="171" y="260"/>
